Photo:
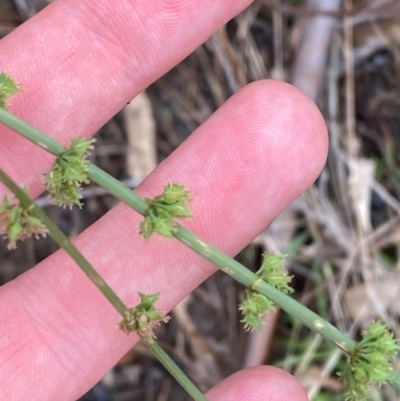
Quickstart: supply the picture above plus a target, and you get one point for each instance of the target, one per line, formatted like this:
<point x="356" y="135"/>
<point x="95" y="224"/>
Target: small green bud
<point x="18" y="222"/>
<point x="146" y="228"/>
<point x="163" y="209"/>
<point x="256" y="305"/>
<point x="175" y="193"/>
<point x="164" y="226"/>
<point x="147" y="301"/>
<point x="15" y="232"/>
<point x="371" y="362"/>
<point x="69" y="172"/>
<point x="273" y="272"/>
<point x="143" y="317"/>
<point x="254" y="308"/>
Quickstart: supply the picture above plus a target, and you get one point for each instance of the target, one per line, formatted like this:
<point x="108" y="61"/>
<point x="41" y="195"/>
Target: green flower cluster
<point x="143" y="318"/>
<point x="70" y="170"/>
<point x="370" y="363"/>
<point x="255" y="305"/>
<point x="162" y="210"/>
<point x="18" y="222"/>
<point x="7" y="88"/>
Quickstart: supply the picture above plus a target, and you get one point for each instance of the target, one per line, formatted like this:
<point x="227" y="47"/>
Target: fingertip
<point x="292" y="119"/>
<point x="285" y="145"/>
<point x="260" y="383"/>
<point x="258" y="152"/>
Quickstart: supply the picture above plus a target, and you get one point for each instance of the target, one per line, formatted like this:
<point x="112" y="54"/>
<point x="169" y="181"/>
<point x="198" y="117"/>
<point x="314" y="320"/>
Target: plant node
<point x="18" y="222"/>
<point x="256" y="305"/>
<point x="143" y="318"/>
<point x="69" y="172"/>
<point x="371" y="362"/>
<point x="162" y="210"/>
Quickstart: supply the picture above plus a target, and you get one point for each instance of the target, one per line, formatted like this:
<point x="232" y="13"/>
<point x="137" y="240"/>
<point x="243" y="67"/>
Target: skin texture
<point x="78" y="63"/>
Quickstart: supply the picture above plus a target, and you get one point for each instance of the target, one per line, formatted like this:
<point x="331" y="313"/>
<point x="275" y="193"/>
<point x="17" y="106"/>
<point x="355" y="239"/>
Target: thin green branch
<point x="65" y="243"/>
<point x="176" y="372"/>
<point x="249" y="279"/>
<point x="31" y="133"/>
<point x="222" y="261"/>
<point x="288" y="304"/>
<point x="97" y="175"/>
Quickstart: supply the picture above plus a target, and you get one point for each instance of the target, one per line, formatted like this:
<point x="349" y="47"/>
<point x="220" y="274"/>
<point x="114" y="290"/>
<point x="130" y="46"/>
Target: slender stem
<point x="249" y="279"/>
<point x="31" y="133"/>
<point x="116" y="188"/>
<point x="395" y="380"/>
<point x="66" y="244"/>
<point x="97" y="175"/>
<point x="176" y="372"/>
<point x="222" y="261"/>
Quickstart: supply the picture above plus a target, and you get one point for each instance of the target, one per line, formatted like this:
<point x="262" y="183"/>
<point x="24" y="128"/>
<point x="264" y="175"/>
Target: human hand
<point x="78" y="63"/>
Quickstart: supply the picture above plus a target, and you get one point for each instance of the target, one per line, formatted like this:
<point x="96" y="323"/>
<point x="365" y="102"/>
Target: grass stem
<point x="249" y="279"/>
<point x="65" y="243"/>
<point x="176" y="372"/>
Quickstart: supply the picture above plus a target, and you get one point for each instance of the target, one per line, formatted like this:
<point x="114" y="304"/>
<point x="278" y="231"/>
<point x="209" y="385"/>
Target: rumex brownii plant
<point x="369" y="361"/>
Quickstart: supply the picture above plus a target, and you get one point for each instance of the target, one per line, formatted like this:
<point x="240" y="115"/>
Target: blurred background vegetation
<point x="342" y="236"/>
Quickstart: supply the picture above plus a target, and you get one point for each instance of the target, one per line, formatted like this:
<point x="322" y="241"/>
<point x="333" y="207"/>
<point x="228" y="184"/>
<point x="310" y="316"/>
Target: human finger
<point x="79" y="62"/>
<point x="260" y="383"/>
<point x="264" y="147"/>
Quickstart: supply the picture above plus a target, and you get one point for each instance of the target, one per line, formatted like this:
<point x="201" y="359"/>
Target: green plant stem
<point x="249" y="279"/>
<point x="395" y="379"/>
<point x="99" y="282"/>
<point x="288" y="304"/>
<point x="176" y="372"/>
<point x="97" y="175"/>
<point x="116" y="188"/>
<point x="66" y="244"/>
<point x="222" y="261"/>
